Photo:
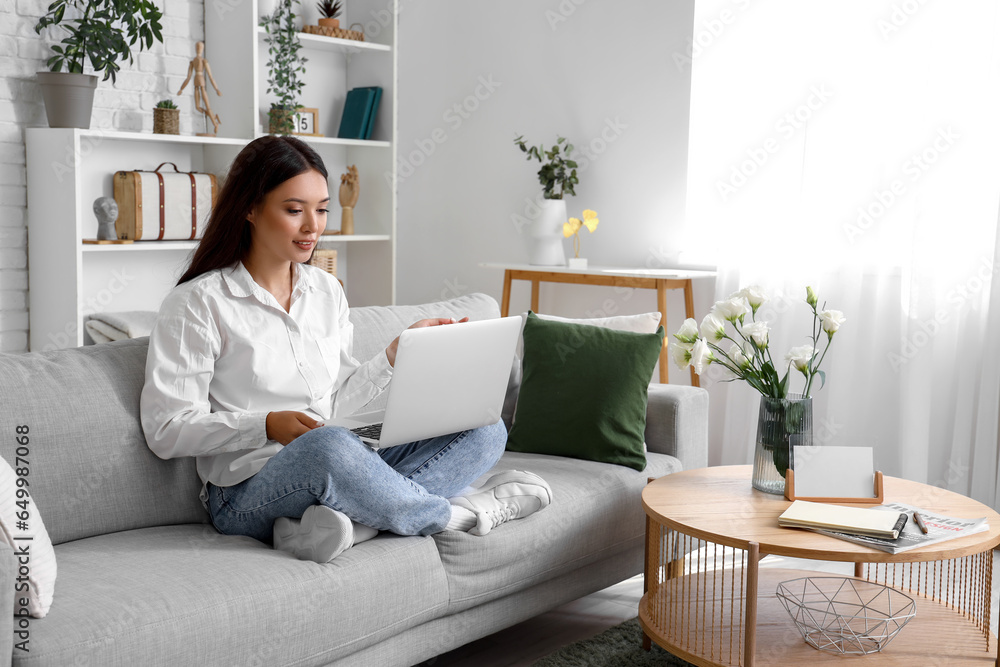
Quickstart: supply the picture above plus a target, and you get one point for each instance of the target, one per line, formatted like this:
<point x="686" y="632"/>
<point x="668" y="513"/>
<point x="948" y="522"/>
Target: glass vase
<point x="782" y="423"/>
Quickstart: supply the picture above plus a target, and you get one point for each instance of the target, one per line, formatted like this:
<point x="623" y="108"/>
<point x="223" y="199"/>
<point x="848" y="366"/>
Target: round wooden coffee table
<point x="708" y="602"/>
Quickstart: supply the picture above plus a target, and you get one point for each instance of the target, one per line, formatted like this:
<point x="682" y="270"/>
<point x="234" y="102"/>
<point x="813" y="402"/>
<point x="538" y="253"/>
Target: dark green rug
<point x="621" y="646"/>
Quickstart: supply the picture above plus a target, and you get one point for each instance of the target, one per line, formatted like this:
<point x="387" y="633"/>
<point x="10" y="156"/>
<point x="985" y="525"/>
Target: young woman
<point x="252" y="351"/>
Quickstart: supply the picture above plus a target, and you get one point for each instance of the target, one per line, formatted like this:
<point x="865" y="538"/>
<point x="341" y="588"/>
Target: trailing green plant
<point x="558" y="169"/>
<point x="166" y="104"/>
<point x="285" y="65"/>
<point x="103" y="34"/>
<point x="330" y="9"/>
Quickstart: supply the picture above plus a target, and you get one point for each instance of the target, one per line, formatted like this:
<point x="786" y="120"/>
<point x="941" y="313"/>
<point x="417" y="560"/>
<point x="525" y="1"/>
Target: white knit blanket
<point x="106" y="327"/>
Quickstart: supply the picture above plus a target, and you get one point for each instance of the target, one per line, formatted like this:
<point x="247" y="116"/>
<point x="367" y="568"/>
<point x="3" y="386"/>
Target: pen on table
<point x="920" y="522"/>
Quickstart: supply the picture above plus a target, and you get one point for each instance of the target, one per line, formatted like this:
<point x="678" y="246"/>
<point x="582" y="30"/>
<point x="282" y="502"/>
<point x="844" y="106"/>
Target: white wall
<point x="598" y="72"/>
<point x="126" y="106"/>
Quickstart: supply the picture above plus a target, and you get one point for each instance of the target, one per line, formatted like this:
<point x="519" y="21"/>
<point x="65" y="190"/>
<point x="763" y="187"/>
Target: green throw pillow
<point x="583" y="392"/>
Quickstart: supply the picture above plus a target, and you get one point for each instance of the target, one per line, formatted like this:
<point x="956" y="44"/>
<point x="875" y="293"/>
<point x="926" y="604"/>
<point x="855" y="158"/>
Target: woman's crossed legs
<point x="402" y="489"/>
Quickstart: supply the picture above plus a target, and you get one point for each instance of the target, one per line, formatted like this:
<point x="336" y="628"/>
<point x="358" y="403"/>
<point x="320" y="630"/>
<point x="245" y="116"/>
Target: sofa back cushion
<point x="90" y="471"/>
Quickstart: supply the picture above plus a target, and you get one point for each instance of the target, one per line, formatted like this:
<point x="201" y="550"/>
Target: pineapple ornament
<point x="329" y="10"/>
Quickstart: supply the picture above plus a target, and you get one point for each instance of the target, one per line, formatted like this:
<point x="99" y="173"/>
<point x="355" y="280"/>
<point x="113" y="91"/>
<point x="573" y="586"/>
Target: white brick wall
<point x="154" y="75"/>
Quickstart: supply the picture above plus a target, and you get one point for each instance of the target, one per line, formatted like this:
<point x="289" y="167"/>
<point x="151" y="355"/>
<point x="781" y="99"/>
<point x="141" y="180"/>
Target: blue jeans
<point x="402" y="489"/>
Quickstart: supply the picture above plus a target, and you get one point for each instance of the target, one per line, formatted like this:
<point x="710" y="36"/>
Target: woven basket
<point x="279" y="121"/>
<point x="356" y="35"/>
<point x="166" y="121"/>
<point x="326" y="260"/>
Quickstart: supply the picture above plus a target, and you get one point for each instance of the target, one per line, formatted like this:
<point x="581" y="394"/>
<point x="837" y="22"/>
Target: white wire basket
<point x="844" y="615"/>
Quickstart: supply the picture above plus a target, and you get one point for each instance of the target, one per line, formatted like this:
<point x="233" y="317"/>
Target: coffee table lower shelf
<point x="707" y="619"/>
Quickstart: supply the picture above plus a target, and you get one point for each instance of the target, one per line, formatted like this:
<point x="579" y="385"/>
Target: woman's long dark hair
<point x="261" y="166"/>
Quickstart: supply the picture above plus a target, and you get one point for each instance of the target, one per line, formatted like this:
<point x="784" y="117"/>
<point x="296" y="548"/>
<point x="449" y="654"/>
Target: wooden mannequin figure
<point x="199" y="68"/>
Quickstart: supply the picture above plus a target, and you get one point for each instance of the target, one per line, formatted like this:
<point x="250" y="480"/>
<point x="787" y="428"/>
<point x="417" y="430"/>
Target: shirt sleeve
<point x="176" y="414"/>
<point x="358" y="383"/>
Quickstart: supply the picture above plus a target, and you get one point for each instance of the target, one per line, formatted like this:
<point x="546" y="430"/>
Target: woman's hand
<point x="287" y="425"/>
<point x="390" y="352"/>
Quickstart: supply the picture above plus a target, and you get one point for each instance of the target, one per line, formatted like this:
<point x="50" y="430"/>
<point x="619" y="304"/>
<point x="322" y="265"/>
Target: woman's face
<point x="286" y="226"/>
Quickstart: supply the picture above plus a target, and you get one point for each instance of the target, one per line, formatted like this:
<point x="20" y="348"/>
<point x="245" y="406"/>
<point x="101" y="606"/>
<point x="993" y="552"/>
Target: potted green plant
<point x="101" y="32"/>
<point x="330" y="10"/>
<point x="285" y="66"/>
<point x="166" y="118"/>
<point x="558" y="172"/>
<point x="558" y="178"/>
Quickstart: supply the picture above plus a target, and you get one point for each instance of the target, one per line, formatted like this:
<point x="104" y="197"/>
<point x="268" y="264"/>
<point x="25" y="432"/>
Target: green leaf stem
<point x="285" y="65"/>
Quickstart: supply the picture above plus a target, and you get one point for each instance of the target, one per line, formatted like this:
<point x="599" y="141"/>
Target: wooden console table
<point x="660" y="280"/>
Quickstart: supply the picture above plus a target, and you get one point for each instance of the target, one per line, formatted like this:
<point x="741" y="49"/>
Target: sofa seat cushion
<point x="186" y="595"/>
<point x="596" y="513"/>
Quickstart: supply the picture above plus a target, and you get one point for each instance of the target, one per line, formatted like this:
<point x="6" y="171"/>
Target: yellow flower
<point x="571" y="227"/>
<point x="590" y="220"/>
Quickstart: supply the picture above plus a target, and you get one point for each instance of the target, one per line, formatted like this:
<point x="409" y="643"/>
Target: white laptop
<point x="446" y="379"/>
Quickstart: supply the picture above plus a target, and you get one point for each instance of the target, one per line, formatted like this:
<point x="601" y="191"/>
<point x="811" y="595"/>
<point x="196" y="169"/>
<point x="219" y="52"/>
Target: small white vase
<point x="545" y="237"/>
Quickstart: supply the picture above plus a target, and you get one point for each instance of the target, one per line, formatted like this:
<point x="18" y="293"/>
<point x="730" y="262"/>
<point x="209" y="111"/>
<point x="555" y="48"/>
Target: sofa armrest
<point x="677" y="423"/>
<point x="8" y="571"/>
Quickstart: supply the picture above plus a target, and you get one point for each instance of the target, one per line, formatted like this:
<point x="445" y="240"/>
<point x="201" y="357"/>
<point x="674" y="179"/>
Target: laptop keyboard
<point x="372" y="431"/>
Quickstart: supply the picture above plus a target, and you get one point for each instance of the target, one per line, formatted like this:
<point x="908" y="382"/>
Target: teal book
<point x="356" y="110"/>
<point x="373" y="111"/>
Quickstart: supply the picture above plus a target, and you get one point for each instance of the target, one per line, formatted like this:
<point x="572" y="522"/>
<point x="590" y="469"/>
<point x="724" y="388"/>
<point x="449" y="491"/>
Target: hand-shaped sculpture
<point x="349" y="191"/>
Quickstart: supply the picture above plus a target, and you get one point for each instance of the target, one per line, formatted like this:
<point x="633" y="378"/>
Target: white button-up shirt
<point x="224" y="353"/>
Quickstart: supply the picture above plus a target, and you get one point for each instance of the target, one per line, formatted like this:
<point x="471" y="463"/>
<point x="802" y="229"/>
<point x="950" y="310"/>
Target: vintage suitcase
<point x="161" y="206"/>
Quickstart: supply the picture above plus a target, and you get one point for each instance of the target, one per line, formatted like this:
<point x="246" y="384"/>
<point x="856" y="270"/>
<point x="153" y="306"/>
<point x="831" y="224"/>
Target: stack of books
<point x="360" y="110"/>
<point x="891" y="527"/>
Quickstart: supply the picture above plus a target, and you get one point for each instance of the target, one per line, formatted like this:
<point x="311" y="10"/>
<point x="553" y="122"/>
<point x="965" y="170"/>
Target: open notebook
<point x="856" y="520"/>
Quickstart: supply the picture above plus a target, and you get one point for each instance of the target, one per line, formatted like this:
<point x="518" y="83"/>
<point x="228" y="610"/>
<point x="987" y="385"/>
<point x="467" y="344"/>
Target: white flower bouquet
<point x="785" y="420"/>
<point x="749" y="355"/>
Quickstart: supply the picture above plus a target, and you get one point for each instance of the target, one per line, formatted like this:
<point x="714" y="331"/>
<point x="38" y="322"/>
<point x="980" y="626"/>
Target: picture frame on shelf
<point x="306" y="121"/>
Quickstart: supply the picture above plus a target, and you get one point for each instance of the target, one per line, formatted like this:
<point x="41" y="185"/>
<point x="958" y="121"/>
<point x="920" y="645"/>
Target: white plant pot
<point x="69" y="98"/>
<point x="578" y="262"/>
<point x="265" y="8"/>
<point x="545" y="237"/>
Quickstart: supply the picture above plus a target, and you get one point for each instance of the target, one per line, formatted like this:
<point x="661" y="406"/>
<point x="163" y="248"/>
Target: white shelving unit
<point x="68" y="169"/>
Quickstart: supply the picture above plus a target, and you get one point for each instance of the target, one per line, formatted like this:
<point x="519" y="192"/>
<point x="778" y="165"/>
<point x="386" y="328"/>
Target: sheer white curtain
<point x="853" y="146"/>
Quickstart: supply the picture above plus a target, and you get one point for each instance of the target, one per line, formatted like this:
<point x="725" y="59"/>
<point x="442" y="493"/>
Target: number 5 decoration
<point x="306" y="122"/>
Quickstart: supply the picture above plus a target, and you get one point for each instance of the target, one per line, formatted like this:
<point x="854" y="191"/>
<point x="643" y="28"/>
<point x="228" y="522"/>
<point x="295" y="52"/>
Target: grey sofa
<point x="144" y="579"/>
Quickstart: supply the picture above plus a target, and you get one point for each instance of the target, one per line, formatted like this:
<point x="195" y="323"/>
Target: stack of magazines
<point x="940" y="528"/>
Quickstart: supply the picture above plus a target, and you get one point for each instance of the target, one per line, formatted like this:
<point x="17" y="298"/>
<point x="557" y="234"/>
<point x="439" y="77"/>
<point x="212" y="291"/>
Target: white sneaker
<point x="320" y="535"/>
<point x="507" y="495"/>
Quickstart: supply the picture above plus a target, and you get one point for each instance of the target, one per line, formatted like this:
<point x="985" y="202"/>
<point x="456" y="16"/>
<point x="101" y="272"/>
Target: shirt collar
<point x="242" y="284"/>
<point x="303" y="280"/>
